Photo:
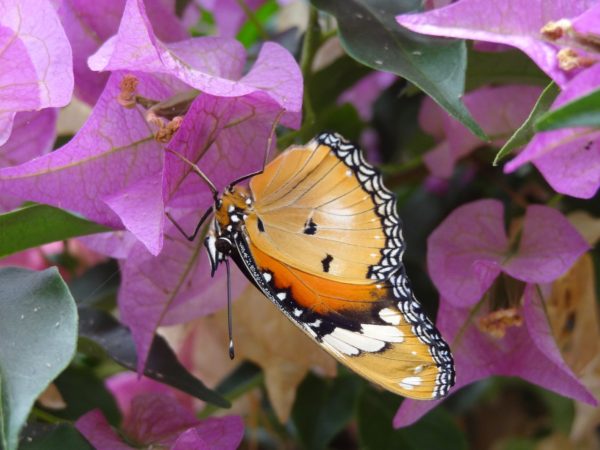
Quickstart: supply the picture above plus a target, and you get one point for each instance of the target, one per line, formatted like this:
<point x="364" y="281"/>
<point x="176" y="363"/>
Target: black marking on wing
<point x="310" y="227"/>
<point x="261" y="225"/>
<point x="326" y="262"/>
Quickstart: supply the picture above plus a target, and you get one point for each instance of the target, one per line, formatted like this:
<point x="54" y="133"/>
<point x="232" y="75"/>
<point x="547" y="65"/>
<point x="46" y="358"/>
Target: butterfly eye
<point x="223" y="246"/>
<point x="218" y="204"/>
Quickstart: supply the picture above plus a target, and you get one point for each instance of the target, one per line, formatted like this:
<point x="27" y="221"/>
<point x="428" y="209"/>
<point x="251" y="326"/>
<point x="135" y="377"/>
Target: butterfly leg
<point x="190" y="237"/>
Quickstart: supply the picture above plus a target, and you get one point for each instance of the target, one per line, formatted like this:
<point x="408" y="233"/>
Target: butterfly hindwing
<point x="364" y="330"/>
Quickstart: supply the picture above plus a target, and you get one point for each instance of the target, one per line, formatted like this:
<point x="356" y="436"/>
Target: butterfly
<point x="319" y="235"/>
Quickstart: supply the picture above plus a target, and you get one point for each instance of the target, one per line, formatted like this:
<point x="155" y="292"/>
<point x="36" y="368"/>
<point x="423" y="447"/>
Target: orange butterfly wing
<point x="324" y="243"/>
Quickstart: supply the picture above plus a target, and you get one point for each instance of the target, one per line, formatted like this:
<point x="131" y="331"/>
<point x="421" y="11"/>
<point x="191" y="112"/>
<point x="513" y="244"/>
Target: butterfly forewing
<point x="324" y="243"/>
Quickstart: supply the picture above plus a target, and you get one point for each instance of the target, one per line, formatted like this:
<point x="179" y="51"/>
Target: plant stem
<point x="312" y="40"/>
<point x="47" y="417"/>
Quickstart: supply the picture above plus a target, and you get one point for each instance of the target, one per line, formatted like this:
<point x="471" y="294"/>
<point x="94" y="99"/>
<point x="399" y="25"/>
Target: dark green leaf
<point x="584" y="111"/>
<point x="58" y="437"/>
<point x="35" y="225"/>
<point x="324" y="407"/>
<point x="370" y="34"/>
<point x="83" y="391"/>
<point x="162" y="364"/>
<point x="376" y="409"/>
<point x="526" y="131"/>
<point x="326" y="85"/>
<point x="437" y="429"/>
<point x="562" y="409"/>
<point x="38" y="336"/>
<point x="509" y="67"/>
<point x="96" y="285"/>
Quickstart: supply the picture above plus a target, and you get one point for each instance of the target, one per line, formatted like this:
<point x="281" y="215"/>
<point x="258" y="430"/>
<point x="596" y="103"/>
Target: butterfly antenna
<point x="266" y="158"/>
<point x="199" y="172"/>
<point x="229" y="314"/>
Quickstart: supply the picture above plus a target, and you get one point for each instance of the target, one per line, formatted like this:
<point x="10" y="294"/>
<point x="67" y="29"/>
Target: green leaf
<point x="162" y="364"/>
<point x="36" y="225"/>
<point x="324" y="407"/>
<point x="83" y="391"/>
<point x="376" y="410"/>
<point x="584" y="111"/>
<point x="370" y="34"/>
<point x="58" y="437"/>
<point x="38" y="336"/>
<point x="526" y="131"/>
<point x="508" y="67"/>
<point x="97" y="286"/>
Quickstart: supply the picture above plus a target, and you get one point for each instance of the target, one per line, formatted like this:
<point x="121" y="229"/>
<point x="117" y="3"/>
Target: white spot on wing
<point x="339" y="346"/>
<point x="281" y="296"/>
<point x="358" y="340"/>
<point x="384" y="333"/>
<point x="410" y="382"/>
<point x="390" y="316"/>
<point x="297" y="312"/>
<point x="267" y="276"/>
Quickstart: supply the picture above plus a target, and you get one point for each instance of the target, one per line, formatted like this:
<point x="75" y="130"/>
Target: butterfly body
<point x="318" y="234"/>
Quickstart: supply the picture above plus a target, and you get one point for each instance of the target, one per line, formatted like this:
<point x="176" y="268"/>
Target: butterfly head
<point x="231" y="211"/>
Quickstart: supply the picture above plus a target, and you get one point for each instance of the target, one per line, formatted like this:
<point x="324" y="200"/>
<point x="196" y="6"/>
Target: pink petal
<point x="211" y="65"/>
<point x="568" y="158"/>
<point x="113" y="153"/>
<point x="32" y="258"/>
<point x="508" y="22"/>
<point x="36" y="59"/>
<point x="6" y="124"/>
<point x="528" y="351"/>
<point x="364" y="93"/>
<point x="145" y="196"/>
<point x="116" y="244"/>
<point x="125" y="386"/>
<point x="432" y="118"/>
<point x="157" y="419"/>
<point x="32" y="135"/>
<point x="548" y="247"/>
<point x="588" y="21"/>
<point x="89" y="23"/>
<point x="99" y="433"/>
<point x="511" y="106"/>
<point x="224" y="433"/>
<point x="558" y="376"/>
<point x="172" y="288"/>
<point x="465" y="252"/>
<point x="440" y="160"/>
<point x="574" y="167"/>
<point x="238" y="129"/>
